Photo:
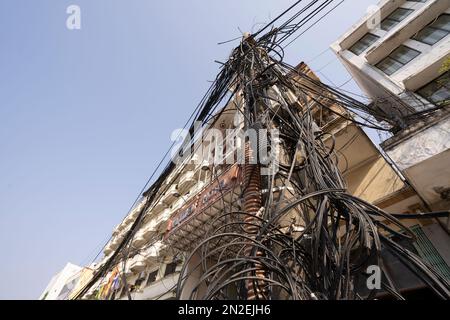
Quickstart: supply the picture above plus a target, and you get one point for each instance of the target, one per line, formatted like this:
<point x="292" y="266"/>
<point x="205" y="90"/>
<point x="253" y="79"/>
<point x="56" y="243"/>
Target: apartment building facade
<point x="400" y="63"/>
<point x="198" y="190"/>
<point x="399" y="55"/>
<point x="62" y="283"/>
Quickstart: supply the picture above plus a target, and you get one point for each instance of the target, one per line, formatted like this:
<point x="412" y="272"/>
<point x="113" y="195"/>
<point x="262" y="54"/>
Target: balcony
<point x="128" y="220"/>
<point x="177" y="204"/>
<point x="160" y="206"/>
<point x="114" y="243"/>
<point x="137" y="264"/>
<point x="192" y="162"/>
<point x="116" y="231"/>
<point x="138" y="240"/>
<point x="152" y="253"/>
<point x="107" y="249"/>
<point x="197" y="188"/>
<point x="422" y="152"/>
<point x="118" y="228"/>
<point x="149" y="229"/>
<point x="187" y="181"/>
<point x="162" y="217"/>
<point x="133" y="214"/>
<point x="157" y="290"/>
<point x="172" y="194"/>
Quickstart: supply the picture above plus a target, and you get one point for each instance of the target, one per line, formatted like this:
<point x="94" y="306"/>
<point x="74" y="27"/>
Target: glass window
<point x="364" y="43"/>
<point x="438" y="90"/>
<point x="397" y="59"/>
<point x="152" y="277"/>
<point x="404" y="54"/>
<point x="389" y="66"/>
<point x="170" y="268"/>
<point x="388" y="24"/>
<point x="394" y="18"/>
<point x="435" y="31"/>
<point x="443" y="22"/>
<point x="140" y="279"/>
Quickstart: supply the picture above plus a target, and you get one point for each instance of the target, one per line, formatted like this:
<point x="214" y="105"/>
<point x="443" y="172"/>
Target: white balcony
<point x="172" y="178"/>
<point x="124" y="231"/>
<point x="160" y="206"/>
<point x="152" y="253"/>
<point x="178" y="204"/>
<point x="128" y="220"/>
<point x="128" y="271"/>
<point x="137" y="264"/>
<point x="107" y="249"/>
<point x="163" y="220"/>
<point x="136" y="210"/>
<point x="116" y="231"/>
<point x="163" y="216"/>
<point x="138" y="240"/>
<point x="187" y="181"/>
<point x="134" y="214"/>
<point x="149" y="229"/>
<point x="172" y="194"/>
<point x="152" y="225"/>
<point x="193" y="162"/>
<point x="197" y="188"/>
<point x="118" y="228"/>
<point x="114" y="243"/>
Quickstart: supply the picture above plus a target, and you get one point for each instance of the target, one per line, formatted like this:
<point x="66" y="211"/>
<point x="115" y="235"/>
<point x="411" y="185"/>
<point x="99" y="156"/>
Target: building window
<point x="152" y="277"/>
<point x="140" y="280"/>
<point x="397" y="59"/>
<point x="170" y="268"/>
<point x="434" y="32"/>
<point x="395" y="18"/>
<point x="423" y="1"/>
<point x="364" y="43"/>
<point x="438" y="90"/>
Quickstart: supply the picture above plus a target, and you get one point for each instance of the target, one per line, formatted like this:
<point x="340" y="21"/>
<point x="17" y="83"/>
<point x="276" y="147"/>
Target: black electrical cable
<point x="339" y="235"/>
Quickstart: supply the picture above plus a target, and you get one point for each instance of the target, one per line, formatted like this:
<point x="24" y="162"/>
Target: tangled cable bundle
<point x="333" y="237"/>
<point x="298" y="234"/>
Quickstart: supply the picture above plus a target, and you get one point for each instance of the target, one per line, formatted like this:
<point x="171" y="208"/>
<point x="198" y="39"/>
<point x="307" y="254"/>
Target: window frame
<point x="396" y="60"/>
<point x="352" y="50"/>
<point x="174" y="264"/>
<point x="140" y="279"/>
<point x="396" y="22"/>
<point x="433" y="82"/>
<point x="155" y="272"/>
<point x="430" y="26"/>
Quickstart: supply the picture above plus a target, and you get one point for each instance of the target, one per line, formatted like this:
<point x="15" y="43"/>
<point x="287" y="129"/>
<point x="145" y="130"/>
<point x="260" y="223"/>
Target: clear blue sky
<point x="86" y="115"/>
